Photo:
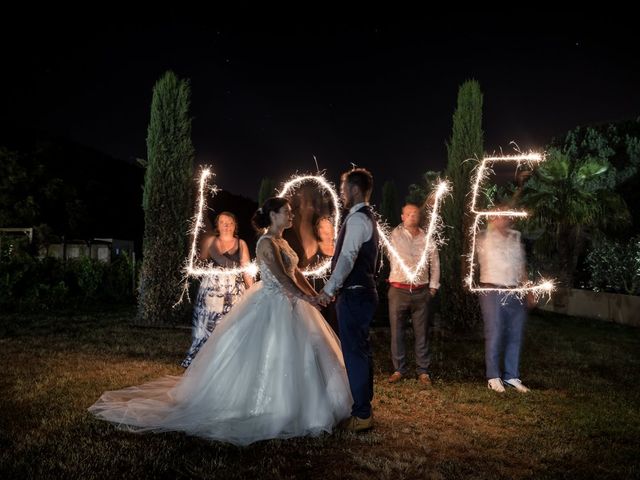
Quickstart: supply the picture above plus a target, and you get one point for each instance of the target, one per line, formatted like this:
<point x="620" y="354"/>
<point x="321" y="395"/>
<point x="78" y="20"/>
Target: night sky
<point x="266" y="100"/>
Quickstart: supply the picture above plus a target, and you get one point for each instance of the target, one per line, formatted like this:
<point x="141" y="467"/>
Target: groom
<point x="353" y="279"/>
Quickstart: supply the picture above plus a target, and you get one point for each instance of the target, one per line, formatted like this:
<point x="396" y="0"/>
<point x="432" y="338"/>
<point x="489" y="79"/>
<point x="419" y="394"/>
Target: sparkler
<point x="413" y="274"/>
<point x="483" y="170"/>
<point x="195" y="268"/>
<point x="288" y="188"/>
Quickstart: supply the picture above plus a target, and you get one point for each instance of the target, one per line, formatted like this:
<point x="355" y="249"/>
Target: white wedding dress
<point x="272" y="369"/>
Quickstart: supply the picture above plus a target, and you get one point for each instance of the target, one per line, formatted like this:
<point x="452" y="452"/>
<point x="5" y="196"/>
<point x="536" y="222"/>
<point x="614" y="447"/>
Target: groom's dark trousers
<point x="355" y="308"/>
<point x="356" y="304"/>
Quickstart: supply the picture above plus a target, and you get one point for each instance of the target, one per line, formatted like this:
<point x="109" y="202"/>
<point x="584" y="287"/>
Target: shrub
<point x="615" y="266"/>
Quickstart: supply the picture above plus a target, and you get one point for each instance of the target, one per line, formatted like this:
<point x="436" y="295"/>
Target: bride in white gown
<point x="272" y="369"/>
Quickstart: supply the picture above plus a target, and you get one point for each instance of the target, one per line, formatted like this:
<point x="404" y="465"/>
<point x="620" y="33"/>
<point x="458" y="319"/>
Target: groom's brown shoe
<point x="395" y="377"/>
<point x="424" y="379"/>
<point x="357" y="424"/>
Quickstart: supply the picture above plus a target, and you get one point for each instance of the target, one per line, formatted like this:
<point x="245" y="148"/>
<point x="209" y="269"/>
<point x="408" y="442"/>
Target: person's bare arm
<point x="244" y="261"/>
<point x="205" y="246"/>
<point x="303" y="283"/>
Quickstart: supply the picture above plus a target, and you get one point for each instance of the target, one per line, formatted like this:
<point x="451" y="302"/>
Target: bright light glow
<point x="289" y="188"/>
<point x="413" y="274"/>
<point x="195" y="267"/>
<point x="482" y="172"/>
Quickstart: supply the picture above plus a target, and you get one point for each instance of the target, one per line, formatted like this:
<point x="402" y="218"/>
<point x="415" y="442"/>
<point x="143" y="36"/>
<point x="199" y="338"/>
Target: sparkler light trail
<point x="194" y="267"/>
<point x="482" y="172"/>
<point x="289" y="188"/>
<point x="433" y="231"/>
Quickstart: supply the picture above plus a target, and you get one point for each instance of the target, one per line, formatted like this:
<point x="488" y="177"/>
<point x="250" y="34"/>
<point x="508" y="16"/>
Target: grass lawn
<point x="582" y="419"/>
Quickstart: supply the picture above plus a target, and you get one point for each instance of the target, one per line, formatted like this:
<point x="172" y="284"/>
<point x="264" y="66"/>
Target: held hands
<point x="320" y="300"/>
<point x="313" y="300"/>
<point x="323" y="299"/>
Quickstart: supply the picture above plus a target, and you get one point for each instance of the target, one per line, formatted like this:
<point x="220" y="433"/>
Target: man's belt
<point x="408" y="286"/>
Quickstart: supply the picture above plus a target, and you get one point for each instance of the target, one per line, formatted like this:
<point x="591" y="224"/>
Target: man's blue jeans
<point x="504" y="318"/>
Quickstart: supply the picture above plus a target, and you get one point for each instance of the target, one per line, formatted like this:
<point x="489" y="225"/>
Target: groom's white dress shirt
<point x="359" y="230"/>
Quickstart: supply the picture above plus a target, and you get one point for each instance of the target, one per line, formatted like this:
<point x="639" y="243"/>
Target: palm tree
<point x="569" y="197"/>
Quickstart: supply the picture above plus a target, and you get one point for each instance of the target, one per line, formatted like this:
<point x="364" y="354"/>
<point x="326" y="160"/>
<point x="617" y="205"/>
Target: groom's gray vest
<point x="364" y="268"/>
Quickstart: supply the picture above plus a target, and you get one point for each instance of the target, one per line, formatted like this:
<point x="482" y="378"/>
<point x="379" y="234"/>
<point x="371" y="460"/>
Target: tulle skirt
<point x="272" y="369"/>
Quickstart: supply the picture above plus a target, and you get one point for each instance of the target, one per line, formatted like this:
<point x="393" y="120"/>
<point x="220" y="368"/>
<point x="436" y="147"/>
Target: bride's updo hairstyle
<point x="261" y="219"/>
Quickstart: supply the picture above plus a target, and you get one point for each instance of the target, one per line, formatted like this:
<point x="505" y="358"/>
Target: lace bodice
<point x="289" y="259"/>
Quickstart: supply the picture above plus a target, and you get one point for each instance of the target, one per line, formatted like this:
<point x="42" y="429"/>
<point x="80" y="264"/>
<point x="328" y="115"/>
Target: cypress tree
<point x="167" y="201"/>
<point x="267" y="190"/>
<point x="459" y="305"/>
<point x="390" y="208"/>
